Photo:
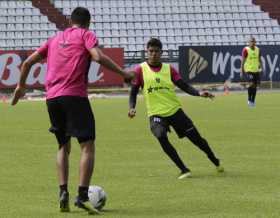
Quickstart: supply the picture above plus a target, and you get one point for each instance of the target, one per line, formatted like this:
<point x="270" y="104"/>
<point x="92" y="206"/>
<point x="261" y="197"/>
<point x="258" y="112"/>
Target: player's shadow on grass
<point x="132" y="212"/>
<point x="118" y="212"/>
<point x="212" y="175"/>
<point x="109" y="210"/>
<point x="140" y="212"/>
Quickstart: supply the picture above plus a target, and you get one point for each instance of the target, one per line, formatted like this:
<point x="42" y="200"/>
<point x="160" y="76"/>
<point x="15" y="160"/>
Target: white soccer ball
<point x="97" y="196"/>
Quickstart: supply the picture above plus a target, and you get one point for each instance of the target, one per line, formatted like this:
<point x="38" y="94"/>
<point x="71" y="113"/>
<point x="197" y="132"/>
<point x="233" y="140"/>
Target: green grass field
<point x="139" y="179"/>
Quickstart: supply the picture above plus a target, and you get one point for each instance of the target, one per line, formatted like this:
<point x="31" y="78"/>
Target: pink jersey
<point x="138" y="81"/>
<point x="68" y="62"/>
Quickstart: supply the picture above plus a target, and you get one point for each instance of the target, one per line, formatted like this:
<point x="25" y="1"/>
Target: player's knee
<point x="202" y="141"/>
<point x="87" y="146"/>
<point x="198" y="141"/>
<point x="159" y="133"/>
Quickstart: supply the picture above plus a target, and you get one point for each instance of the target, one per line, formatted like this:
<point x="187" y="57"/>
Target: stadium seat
<point x="276" y="30"/>
<point x="186" y="21"/>
<point x="270" y="38"/>
<point x="162" y="32"/>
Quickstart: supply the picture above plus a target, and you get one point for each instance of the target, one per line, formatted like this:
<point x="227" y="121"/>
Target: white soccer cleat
<point x="251" y="104"/>
<point x="185" y="175"/>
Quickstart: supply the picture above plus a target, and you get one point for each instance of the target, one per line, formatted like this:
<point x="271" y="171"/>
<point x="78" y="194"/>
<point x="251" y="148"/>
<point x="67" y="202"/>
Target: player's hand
<point x="18" y="93"/>
<point x="207" y="94"/>
<point x="128" y="76"/>
<point x="131" y="113"/>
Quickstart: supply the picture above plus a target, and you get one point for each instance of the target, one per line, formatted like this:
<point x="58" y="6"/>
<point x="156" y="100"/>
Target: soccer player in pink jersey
<point x="69" y="55"/>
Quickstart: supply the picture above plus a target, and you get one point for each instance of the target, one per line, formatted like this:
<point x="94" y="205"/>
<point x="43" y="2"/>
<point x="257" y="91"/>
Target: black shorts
<point x="253" y="78"/>
<point x="71" y="116"/>
<point x="180" y="122"/>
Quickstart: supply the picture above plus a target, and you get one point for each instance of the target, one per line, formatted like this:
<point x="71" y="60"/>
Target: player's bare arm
<point x="24" y="71"/>
<point x="98" y="56"/>
<point x="260" y="61"/>
<point x="242" y="65"/>
<point x="243" y="60"/>
<point x="132" y="101"/>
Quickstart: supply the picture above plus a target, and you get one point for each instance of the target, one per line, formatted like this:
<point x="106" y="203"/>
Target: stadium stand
<point x="211" y="22"/>
<point x="271" y="6"/>
<point x="23" y="26"/>
<point x="129" y="23"/>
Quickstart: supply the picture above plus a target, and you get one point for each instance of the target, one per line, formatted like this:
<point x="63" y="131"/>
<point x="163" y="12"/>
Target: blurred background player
<point x="157" y="80"/>
<point x="69" y="55"/>
<point x="251" y="67"/>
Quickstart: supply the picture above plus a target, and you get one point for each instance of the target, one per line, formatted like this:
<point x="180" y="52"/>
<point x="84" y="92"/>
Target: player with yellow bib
<point x="164" y="109"/>
<point x="251" y="66"/>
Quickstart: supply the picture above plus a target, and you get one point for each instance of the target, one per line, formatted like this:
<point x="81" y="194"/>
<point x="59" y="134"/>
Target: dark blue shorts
<point x="71" y="116"/>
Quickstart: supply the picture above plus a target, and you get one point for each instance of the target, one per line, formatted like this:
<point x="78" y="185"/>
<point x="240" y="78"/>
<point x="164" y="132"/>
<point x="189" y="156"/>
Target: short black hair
<point x="80" y="16"/>
<point x="252" y="39"/>
<point x="154" y="42"/>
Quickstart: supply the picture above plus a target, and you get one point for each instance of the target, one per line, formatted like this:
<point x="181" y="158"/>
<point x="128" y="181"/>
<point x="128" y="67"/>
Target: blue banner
<point x="209" y="64"/>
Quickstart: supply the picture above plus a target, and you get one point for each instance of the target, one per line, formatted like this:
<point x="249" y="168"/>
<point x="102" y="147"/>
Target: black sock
<point x="172" y="154"/>
<point x="250" y="94"/>
<point x="83" y="193"/>
<point x="254" y="92"/>
<point x="203" y="145"/>
<point x="63" y="188"/>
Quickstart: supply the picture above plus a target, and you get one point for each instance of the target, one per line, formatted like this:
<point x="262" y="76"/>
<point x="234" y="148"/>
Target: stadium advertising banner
<point x="201" y="64"/>
<point x="10" y="62"/>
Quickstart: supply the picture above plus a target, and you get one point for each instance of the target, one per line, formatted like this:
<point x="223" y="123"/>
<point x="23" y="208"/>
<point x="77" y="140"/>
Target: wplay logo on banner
<point x="196" y="63"/>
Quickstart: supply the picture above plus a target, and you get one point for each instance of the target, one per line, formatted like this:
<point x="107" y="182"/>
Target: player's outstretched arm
<point x="186" y="87"/>
<point x="24" y="71"/>
<point x="132" y="101"/>
<point x="192" y="91"/>
<point x="98" y="56"/>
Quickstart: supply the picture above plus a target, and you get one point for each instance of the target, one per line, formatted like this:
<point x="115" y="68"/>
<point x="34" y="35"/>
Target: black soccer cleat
<point x="64" y="202"/>
<point x="86" y="205"/>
